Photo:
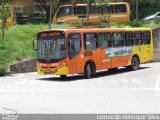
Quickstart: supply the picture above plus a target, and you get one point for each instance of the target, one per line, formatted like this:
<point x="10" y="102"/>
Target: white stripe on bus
<point x="91" y="17"/>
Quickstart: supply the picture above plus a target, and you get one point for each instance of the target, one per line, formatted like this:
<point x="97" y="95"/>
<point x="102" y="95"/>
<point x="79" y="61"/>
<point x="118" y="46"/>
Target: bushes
<point x="17" y="44"/>
<point x="3" y="70"/>
<point x="4" y="55"/>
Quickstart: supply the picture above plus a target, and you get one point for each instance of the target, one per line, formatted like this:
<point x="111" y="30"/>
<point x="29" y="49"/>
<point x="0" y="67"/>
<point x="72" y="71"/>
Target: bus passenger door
<point x="74" y="45"/>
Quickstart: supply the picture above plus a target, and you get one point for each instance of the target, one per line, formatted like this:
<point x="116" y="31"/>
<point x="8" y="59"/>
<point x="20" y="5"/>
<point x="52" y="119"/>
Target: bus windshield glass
<point x="64" y="11"/>
<point x="51" y="48"/>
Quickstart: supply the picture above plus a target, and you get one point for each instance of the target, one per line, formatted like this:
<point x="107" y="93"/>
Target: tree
<point x="6" y="13"/>
<point x="43" y="5"/>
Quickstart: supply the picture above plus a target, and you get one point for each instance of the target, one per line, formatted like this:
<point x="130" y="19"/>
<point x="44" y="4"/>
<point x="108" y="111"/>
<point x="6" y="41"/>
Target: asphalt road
<point x="119" y="92"/>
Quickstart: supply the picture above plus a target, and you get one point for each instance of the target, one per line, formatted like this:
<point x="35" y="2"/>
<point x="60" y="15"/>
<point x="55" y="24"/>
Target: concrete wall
<point x="156" y="40"/>
<point x="24" y="66"/>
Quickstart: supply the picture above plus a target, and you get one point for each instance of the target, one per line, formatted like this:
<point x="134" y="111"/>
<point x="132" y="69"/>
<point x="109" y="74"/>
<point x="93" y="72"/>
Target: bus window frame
<point x="135" y="39"/>
<point x="110" y="40"/>
<point x="68" y="45"/>
<point x="111" y="9"/>
<point x="84" y="40"/>
<point x="126" y="39"/>
<point x="58" y="16"/>
<point x="146" y="37"/>
<point x="126" y="11"/>
<point x="74" y="9"/>
<point x="113" y="43"/>
<point x="96" y="8"/>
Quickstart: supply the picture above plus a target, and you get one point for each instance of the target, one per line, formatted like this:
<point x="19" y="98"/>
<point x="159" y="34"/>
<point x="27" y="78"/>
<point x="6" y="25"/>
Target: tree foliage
<point x="6" y="13"/>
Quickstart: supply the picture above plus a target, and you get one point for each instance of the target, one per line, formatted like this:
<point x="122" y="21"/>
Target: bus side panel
<point x="120" y="56"/>
<point x="123" y="17"/>
<point x="106" y="61"/>
<point x="76" y="64"/>
<point x="140" y="52"/>
<point x="120" y="61"/>
<point x="66" y="19"/>
<point x="94" y="57"/>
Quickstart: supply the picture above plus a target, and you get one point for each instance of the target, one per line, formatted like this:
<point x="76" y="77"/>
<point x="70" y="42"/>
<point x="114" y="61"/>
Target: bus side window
<point x="80" y="10"/>
<point x="90" y="41"/>
<point x="94" y="9"/>
<point x="64" y="11"/>
<point x="129" y="39"/>
<point x="74" y="44"/>
<point x="120" y="8"/>
<point x="106" y="9"/>
<point x="146" y="37"/>
<point x="118" y="39"/>
<point x="104" y="40"/>
<point x="111" y="9"/>
<point x="138" y="38"/>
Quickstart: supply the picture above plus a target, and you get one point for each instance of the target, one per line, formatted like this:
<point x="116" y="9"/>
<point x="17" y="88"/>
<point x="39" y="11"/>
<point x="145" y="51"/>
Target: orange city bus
<point x="112" y="12"/>
<point x="87" y="50"/>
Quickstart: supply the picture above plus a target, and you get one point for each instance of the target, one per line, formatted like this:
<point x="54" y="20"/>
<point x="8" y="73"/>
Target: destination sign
<point x="50" y="34"/>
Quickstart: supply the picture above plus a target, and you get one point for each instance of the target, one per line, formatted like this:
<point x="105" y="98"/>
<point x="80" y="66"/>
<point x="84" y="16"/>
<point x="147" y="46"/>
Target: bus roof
<point x="114" y="3"/>
<point x="98" y="29"/>
<point x="136" y="29"/>
<point x="83" y="30"/>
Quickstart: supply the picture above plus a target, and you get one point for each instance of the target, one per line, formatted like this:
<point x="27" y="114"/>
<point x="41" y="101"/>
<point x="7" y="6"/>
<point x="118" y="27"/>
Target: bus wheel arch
<point x="135" y="63"/>
<point x="135" y="55"/>
<point x="89" y="69"/>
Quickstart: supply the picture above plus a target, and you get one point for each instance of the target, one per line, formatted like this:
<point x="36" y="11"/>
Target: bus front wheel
<point x="88" y="71"/>
<point x="135" y="63"/>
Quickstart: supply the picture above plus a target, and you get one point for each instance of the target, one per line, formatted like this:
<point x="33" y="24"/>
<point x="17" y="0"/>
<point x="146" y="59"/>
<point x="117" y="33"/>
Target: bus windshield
<point x="64" y="11"/>
<point x="51" y="48"/>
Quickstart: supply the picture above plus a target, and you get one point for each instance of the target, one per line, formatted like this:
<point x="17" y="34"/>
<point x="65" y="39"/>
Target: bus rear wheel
<point x="135" y="63"/>
<point x="88" y="71"/>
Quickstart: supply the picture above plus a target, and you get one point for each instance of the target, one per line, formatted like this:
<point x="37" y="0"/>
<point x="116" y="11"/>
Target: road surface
<point x="119" y="92"/>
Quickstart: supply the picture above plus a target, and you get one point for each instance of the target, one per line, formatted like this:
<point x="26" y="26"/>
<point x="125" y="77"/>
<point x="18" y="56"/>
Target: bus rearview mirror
<point x="34" y="44"/>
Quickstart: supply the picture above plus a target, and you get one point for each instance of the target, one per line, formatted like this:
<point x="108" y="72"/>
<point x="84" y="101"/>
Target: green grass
<point x="18" y="41"/>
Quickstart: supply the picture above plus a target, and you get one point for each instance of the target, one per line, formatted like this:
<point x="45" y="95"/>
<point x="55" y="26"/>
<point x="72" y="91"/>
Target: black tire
<point x="135" y="63"/>
<point x="63" y="76"/>
<point x="88" y="71"/>
<point x="113" y="69"/>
